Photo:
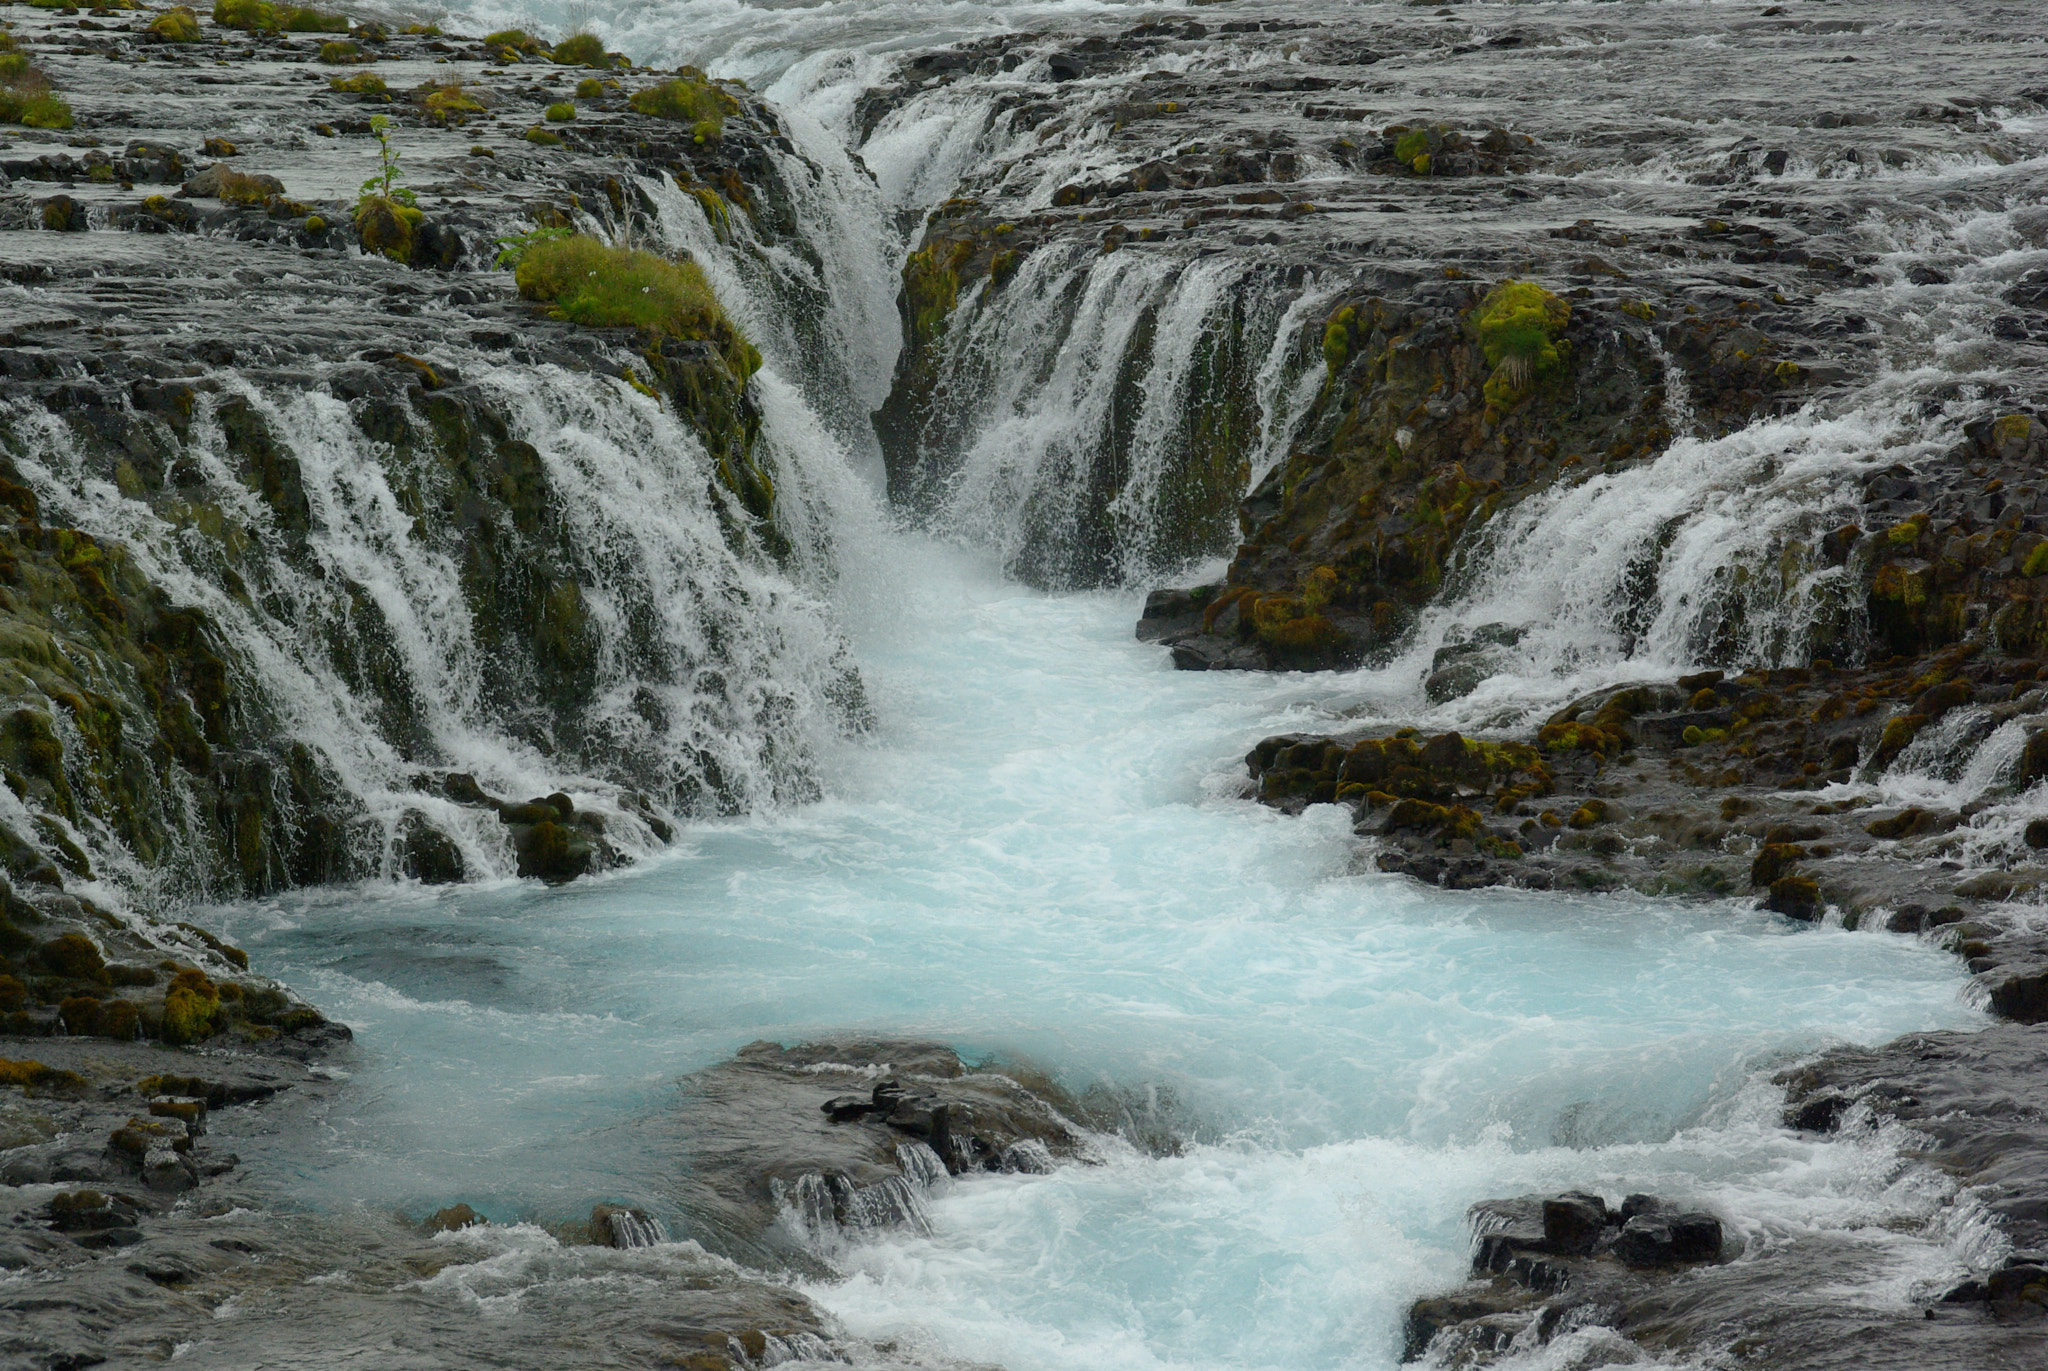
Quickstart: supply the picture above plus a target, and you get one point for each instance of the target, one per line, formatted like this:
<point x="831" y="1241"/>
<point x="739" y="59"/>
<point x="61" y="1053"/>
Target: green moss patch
<point x="600" y="286"/>
<point x="701" y="105"/>
<point x="1519" y="323"/>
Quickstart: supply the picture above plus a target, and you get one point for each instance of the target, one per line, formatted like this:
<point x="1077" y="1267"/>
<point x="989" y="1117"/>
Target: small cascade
<point x="1097" y="417"/>
<point x="922" y="1167"/>
<point x="634" y="1228"/>
<point x="1709" y="553"/>
<point x="824" y="1210"/>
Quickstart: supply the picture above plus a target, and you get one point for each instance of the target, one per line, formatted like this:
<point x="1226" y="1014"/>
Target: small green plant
<point x="343" y="52"/>
<point x="180" y="25"/>
<point x="1411" y="145"/>
<point x="384" y="185"/>
<point x="589" y="88"/>
<point x="516" y="246"/>
<point x="699" y="104"/>
<point x="541" y="137"/>
<point x="561" y="114"/>
<point x="582" y="50"/>
<point x="1518" y="324"/>
<point x="315" y="224"/>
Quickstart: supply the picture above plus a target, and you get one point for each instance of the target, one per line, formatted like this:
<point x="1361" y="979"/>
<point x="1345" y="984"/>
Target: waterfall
<point x="681" y="666"/>
<point x="1707" y="554"/>
<point x="1097" y="417"/>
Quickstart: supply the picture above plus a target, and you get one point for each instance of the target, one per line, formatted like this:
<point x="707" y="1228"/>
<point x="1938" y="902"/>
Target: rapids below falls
<point x="1028" y="838"/>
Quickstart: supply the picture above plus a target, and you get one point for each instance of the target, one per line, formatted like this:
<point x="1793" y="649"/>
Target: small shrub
<point x="34" y="1076"/>
<point x="384" y="185"/>
<point x="180" y="25"/>
<point x="699" y="104"/>
<point x="589" y="88"/>
<point x="561" y="114"/>
<point x="315" y="224"/>
<point x="343" y="53"/>
<point x="80" y="1013"/>
<point x="582" y="50"/>
<point x="362" y="83"/>
<point x="539" y="135"/>
<point x="119" y="1020"/>
<point x="75" y="956"/>
<point x="48" y="112"/>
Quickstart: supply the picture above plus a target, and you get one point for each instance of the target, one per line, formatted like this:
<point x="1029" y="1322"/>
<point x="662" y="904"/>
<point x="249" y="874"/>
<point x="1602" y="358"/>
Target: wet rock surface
<point x="785" y="1152"/>
<point x="138" y="1232"/>
<point x="1648" y="1278"/>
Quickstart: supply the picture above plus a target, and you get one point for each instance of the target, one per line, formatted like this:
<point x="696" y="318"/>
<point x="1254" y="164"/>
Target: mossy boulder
<point x="388" y="227"/>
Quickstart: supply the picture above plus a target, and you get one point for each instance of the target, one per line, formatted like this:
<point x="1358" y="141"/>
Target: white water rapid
<point x="1040" y="853"/>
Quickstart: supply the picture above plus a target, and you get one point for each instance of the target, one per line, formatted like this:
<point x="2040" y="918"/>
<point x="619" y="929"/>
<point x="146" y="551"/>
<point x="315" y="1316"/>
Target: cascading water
<point x="1039" y="852"/>
<point x="1095" y="418"/>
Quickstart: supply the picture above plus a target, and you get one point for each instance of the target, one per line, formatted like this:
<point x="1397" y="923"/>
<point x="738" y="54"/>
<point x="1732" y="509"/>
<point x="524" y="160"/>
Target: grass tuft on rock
<point x="362" y="83"/>
<point x="306" y="20"/>
<point x="26" y="96"/>
<point x="449" y="101"/>
<point x="180" y="25"/>
<point x="514" y="43"/>
<point x="597" y="285"/>
<point x="560" y="113"/>
<point x="699" y="104"/>
<point x="582" y="50"/>
<point x="260" y="16"/>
